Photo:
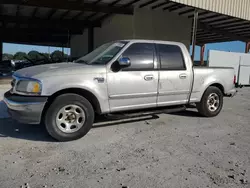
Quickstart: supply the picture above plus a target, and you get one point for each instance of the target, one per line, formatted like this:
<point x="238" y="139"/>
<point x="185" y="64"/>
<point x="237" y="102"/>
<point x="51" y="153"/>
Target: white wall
<point x="144" y="24"/>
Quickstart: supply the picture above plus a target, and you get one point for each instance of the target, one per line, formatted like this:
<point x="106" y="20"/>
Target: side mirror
<point x="124" y="62"/>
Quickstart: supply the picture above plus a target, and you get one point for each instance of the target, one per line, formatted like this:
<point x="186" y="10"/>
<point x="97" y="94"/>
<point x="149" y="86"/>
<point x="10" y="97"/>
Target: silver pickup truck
<point x="116" y="77"/>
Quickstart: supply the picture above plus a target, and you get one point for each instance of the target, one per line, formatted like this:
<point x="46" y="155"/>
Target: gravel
<point x="168" y="150"/>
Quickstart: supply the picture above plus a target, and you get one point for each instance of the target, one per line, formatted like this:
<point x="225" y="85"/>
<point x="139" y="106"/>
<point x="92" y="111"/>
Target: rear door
<point x="136" y="86"/>
<point x="174" y="76"/>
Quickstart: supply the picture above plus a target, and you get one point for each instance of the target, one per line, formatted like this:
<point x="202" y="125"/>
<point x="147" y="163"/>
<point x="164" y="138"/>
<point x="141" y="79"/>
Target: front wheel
<point x="211" y="102"/>
<point x="69" y="117"/>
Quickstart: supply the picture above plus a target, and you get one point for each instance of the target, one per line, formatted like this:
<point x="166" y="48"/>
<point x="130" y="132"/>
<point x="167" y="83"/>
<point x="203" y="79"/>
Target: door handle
<point x="183" y="76"/>
<point x="148" y="77"/>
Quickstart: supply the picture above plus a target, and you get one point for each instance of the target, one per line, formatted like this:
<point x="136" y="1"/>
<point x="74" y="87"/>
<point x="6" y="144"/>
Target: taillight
<point x="234" y="79"/>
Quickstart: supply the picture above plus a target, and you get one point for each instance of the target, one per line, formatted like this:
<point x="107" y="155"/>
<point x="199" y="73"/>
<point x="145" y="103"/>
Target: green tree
<point x="7" y="56"/>
<point x="20" y="56"/>
<point x="46" y="55"/>
<point x="34" y="55"/>
<point x="57" y="56"/>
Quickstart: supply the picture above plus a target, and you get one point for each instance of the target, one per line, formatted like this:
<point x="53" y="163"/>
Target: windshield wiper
<point x="82" y="61"/>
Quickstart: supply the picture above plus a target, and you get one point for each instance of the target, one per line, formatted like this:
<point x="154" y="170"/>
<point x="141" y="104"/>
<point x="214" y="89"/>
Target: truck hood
<point x="59" y="69"/>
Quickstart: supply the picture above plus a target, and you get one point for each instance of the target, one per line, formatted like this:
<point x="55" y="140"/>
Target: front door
<point x="174" y="76"/>
<point x="134" y="87"/>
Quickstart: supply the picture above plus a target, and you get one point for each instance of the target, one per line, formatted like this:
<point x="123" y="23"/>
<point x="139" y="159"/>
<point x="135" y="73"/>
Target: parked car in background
<point x="119" y="76"/>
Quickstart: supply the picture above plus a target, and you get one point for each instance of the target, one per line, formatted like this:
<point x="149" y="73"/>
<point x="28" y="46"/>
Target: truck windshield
<point x="103" y="54"/>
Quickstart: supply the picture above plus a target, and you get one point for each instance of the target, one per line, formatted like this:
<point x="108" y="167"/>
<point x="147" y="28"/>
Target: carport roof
<point x="51" y="22"/>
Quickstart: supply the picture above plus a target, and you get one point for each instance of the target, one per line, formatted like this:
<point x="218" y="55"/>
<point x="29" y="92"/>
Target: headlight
<point x="29" y="86"/>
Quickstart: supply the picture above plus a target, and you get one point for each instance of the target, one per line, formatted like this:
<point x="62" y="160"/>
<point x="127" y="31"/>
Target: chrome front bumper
<point x="25" y="109"/>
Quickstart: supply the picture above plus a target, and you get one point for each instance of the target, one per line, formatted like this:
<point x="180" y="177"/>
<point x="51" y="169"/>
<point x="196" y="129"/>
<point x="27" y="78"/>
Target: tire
<point x="72" y="107"/>
<point x="206" y="109"/>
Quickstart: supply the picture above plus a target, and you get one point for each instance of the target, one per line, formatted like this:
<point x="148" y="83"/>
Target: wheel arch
<point x="82" y="92"/>
<point x="218" y="85"/>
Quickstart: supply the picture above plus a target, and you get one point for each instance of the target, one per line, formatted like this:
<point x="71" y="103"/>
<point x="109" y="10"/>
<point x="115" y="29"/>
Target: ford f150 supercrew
<point x="116" y="77"/>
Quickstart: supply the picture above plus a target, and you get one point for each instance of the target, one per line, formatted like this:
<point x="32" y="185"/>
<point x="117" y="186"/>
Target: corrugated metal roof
<point x="219" y="20"/>
<point x="235" y="8"/>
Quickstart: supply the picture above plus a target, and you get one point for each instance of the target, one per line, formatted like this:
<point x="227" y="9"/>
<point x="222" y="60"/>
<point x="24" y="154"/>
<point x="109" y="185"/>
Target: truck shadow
<point x="188" y="113"/>
<point x="10" y="128"/>
<point x="102" y="121"/>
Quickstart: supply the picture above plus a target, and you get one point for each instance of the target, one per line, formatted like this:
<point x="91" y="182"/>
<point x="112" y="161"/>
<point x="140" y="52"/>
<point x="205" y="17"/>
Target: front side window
<point x="141" y="56"/>
<point x="103" y="54"/>
<point x="171" y="57"/>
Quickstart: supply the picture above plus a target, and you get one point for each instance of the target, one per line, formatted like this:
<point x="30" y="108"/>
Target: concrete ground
<point x="170" y="150"/>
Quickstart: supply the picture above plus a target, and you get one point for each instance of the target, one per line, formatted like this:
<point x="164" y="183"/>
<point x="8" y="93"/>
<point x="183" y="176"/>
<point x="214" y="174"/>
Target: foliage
<point x="35" y="55"/>
<point x="7" y="56"/>
<point x="20" y="56"/>
<point x="46" y="55"/>
<point x="58" y="56"/>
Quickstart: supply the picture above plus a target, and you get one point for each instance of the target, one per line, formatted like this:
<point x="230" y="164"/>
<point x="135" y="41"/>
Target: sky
<point x="236" y="46"/>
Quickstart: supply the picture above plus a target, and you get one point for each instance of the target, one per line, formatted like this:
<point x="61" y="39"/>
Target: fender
<point x="87" y="82"/>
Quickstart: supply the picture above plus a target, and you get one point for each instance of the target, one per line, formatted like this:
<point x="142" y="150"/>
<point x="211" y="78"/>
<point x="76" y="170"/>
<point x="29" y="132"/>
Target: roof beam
<point x="18" y="10"/>
<point x="242" y="26"/>
<point x="78" y="15"/>
<point x="231" y="23"/>
<point x="205" y="18"/>
<point x="115" y="2"/>
<point x="201" y="14"/>
<point x="34" y="12"/>
<point x="17" y="15"/>
<point x="71" y="5"/>
<point x="160" y="5"/>
<point x="214" y="40"/>
<point x="244" y="32"/>
<point x="173" y="7"/>
<point x="222" y="32"/>
<point x="147" y="3"/>
<point x="219" y="20"/>
<point x="82" y="13"/>
<point x="64" y="14"/>
<point x="69" y="24"/>
<point x="187" y="11"/>
<point x="210" y="37"/>
<point x="240" y="30"/>
<point x="38" y="31"/>
<point x="51" y="13"/>
<point x="206" y="34"/>
<point x="131" y="3"/>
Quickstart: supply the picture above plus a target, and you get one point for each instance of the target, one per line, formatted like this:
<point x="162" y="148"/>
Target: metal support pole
<point x="1" y="50"/>
<point x="202" y="54"/>
<point x="247" y="47"/>
<point x="90" y="39"/>
<point x="195" y="22"/>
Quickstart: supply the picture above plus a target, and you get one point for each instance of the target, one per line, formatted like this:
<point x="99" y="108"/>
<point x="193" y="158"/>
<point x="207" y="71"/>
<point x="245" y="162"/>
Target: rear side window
<point x="141" y="56"/>
<point x="171" y="57"/>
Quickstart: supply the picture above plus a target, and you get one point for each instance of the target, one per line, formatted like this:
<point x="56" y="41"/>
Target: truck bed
<point x="206" y="76"/>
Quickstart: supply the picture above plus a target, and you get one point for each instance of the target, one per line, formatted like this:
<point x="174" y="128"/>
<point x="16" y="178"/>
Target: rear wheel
<point x="69" y="117"/>
<point x="211" y="102"/>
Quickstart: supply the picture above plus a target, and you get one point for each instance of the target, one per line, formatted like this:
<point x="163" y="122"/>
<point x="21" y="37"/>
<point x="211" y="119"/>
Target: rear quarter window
<point x="171" y="57"/>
